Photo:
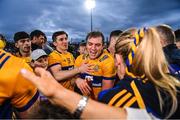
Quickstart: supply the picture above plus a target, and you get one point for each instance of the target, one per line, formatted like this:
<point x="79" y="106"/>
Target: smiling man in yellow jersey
<point x="23" y="44"/>
<point x="61" y="62"/>
<point x="103" y="65"/>
<point x="15" y="91"/>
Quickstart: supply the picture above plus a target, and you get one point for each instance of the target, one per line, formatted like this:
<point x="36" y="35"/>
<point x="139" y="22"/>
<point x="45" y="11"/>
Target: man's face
<point x="61" y="42"/>
<point x="38" y="40"/>
<point x="82" y="50"/>
<point x="94" y="47"/>
<point x="24" y="45"/>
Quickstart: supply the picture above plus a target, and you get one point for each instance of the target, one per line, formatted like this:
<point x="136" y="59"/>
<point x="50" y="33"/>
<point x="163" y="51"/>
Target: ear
<point x="33" y="40"/>
<point x="16" y="45"/>
<point x="162" y="42"/>
<point x="32" y="64"/>
<point x="55" y="43"/>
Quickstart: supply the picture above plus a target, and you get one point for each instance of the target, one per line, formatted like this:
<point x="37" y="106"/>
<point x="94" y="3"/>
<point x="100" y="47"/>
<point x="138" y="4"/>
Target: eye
<point x="98" y="45"/>
<point x="22" y="41"/>
<point x="90" y="44"/>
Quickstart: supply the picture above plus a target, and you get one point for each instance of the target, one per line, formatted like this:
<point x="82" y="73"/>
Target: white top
<point x="139" y="114"/>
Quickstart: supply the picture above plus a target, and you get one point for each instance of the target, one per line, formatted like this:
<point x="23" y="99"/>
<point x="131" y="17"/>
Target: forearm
<point x="107" y="84"/>
<point x="96" y="109"/>
<point x="64" y="98"/>
<point x="65" y="74"/>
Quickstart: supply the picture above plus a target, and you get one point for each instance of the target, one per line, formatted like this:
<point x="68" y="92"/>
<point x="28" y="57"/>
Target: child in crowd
<point x="39" y="58"/>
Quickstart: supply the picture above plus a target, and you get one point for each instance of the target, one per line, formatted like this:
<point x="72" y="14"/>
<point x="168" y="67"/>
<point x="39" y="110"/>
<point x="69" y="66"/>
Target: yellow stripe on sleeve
<point x="116" y="97"/>
<point x="121" y="101"/>
<point x="138" y="95"/>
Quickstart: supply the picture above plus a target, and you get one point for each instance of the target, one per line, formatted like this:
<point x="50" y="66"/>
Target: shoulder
<point x="104" y="57"/>
<point x="70" y="54"/>
<point x="82" y="57"/>
<point x="54" y="54"/>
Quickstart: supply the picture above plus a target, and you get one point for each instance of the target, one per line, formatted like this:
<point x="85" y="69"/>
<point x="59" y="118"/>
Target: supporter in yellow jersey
<point x="103" y="65"/>
<point x="15" y="91"/>
<point x="23" y="44"/>
<point x="61" y="62"/>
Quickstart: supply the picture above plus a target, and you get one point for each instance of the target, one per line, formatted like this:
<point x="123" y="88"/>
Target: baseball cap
<point x="36" y="54"/>
<point x="20" y="35"/>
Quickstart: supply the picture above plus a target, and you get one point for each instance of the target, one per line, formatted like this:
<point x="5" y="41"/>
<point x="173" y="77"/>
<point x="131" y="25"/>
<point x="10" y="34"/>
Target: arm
<point x="109" y="72"/>
<point x="60" y="74"/>
<point x="25" y="95"/>
<point x="28" y="112"/>
<point x="107" y="84"/>
<point x="65" y="74"/>
<point x="63" y="97"/>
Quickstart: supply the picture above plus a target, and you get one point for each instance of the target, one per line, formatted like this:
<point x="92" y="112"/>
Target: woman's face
<point x="119" y="63"/>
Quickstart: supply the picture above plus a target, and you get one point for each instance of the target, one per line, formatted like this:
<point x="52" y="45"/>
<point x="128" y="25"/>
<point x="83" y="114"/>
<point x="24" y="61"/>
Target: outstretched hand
<point x="43" y="80"/>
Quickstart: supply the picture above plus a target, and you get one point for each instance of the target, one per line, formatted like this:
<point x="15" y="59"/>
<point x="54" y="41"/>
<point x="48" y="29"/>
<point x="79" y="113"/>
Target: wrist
<point x="78" y="70"/>
<point x="80" y="107"/>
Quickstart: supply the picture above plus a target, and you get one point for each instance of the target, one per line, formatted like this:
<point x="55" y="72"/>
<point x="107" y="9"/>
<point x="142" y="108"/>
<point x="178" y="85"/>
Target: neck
<point x="111" y="50"/>
<point x="61" y="51"/>
<point x="25" y="54"/>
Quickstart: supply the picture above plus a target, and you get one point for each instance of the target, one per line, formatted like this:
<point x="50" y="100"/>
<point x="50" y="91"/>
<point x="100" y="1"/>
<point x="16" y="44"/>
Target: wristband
<point x="80" y="107"/>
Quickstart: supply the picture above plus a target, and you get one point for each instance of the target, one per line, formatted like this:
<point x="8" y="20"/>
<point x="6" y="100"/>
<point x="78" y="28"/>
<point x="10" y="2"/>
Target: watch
<point x="80" y="107"/>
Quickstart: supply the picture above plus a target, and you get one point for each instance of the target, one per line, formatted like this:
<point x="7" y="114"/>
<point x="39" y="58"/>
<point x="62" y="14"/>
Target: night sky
<point x="73" y="17"/>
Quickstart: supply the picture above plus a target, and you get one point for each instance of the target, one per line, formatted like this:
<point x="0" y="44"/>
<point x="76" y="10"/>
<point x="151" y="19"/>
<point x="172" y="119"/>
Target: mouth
<point x="93" y="54"/>
<point x="65" y="45"/>
<point x="27" y="47"/>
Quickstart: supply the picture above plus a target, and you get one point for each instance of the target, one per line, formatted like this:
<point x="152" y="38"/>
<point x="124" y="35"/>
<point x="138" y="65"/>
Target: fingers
<point x="44" y="81"/>
<point x="29" y="76"/>
<point x="83" y="86"/>
<point x="86" y="89"/>
<point x="39" y="71"/>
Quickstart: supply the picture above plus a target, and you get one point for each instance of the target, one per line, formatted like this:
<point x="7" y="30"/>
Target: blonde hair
<point x="149" y="60"/>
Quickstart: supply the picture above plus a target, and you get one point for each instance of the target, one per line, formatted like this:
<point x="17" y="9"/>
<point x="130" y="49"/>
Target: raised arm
<point x="60" y="75"/>
<point x="63" y="97"/>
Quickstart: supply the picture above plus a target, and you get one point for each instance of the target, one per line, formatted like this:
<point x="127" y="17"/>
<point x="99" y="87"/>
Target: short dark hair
<point x="36" y="33"/>
<point x="57" y="34"/>
<point x="82" y="44"/>
<point x="47" y="110"/>
<point x="94" y="34"/>
<point x="2" y="37"/>
<point x="20" y="35"/>
<point x="115" y="33"/>
<point x="177" y="34"/>
<point x="166" y="33"/>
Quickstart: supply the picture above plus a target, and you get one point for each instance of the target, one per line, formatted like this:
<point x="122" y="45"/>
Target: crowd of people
<point x="136" y="76"/>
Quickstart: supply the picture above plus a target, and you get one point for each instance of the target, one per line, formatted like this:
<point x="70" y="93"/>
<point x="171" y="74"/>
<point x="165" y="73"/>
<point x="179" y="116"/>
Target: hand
<point x="43" y="80"/>
<point x="83" y="86"/>
<point x="86" y="68"/>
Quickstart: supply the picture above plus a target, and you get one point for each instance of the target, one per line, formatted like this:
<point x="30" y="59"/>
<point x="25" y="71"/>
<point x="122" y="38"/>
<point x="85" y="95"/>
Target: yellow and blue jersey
<point x="104" y="69"/>
<point x="67" y="63"/>
<point x="27" y="59"/>
<point x="15" y="91"/>
<point x="135" y="93"/>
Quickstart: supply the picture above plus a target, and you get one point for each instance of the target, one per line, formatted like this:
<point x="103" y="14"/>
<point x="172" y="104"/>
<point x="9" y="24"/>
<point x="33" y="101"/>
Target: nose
<point x="93" y="47"/>
<point x="27" y="42"/>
